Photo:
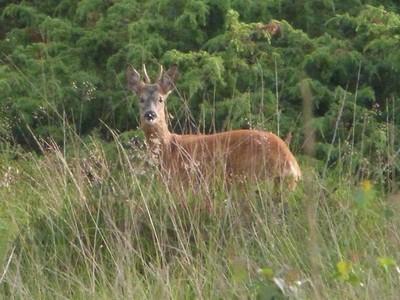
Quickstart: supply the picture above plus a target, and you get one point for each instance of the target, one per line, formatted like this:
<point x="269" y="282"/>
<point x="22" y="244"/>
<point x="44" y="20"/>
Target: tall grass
<point x="98" y="221"/>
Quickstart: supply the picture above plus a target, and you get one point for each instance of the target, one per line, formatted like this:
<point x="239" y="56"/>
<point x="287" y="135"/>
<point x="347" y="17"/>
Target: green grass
<point x="97" y="221"/>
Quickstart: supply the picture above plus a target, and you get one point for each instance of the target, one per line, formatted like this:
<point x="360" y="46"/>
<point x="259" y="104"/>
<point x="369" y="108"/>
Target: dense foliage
<point x="64" y="61"/>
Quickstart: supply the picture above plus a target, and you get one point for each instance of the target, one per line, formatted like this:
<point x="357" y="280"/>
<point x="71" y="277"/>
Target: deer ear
<point x="133" y="80"/>
<point x="167" y="79"/>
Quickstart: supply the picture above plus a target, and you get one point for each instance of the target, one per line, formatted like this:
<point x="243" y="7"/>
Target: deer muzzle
<point x="150" y="116"/>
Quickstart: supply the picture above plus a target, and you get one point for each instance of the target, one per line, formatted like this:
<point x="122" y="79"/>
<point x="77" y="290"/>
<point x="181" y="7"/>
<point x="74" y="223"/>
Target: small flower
<point x="366" y="185"/>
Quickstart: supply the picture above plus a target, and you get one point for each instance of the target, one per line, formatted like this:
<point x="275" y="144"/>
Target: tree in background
<point x="65" y="61"/>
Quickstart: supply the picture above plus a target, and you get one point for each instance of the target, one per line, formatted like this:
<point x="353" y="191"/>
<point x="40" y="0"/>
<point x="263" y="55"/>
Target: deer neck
<point x="157" y="136"/>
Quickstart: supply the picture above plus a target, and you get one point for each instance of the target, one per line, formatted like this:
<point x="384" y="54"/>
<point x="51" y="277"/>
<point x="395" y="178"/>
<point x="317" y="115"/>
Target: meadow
<point x="86" y="214"/>
<point x="96" y="220"/>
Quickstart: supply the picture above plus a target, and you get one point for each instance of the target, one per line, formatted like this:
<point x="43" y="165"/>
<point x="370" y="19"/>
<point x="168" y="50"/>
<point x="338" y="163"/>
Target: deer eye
<point x="160" y="100"/>
<point x="141" y="100"/>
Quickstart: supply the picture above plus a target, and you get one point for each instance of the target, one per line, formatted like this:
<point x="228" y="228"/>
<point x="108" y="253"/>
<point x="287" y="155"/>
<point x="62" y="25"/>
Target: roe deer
<point x="244" y="154"/>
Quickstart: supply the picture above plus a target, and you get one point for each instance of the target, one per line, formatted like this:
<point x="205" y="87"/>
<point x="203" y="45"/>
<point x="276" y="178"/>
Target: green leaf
<point x="386" y="262"/>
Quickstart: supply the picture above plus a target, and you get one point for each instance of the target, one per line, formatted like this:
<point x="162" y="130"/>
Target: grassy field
<point x="95" y="220"/>
<point x="91" y="217"/>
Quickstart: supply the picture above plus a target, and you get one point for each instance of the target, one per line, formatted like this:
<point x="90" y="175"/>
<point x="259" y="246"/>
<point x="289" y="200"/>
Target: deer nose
<point x="150" y="115"/>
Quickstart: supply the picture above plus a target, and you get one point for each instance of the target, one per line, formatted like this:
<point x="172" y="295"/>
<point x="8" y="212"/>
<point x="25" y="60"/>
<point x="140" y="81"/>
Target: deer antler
<point x="146" y="76"/>
<point x="161" y="73"/>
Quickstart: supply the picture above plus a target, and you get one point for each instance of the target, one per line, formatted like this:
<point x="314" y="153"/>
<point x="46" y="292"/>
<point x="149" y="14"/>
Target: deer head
<point x="152" y="97"/>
